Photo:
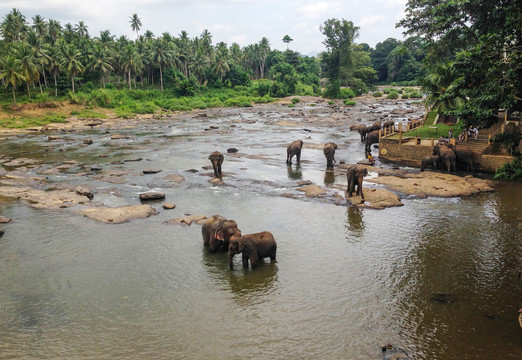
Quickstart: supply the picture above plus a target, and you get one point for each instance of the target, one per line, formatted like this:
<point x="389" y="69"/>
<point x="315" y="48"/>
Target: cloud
<point x="317" y="9"/>
<point x="370" y="20"/>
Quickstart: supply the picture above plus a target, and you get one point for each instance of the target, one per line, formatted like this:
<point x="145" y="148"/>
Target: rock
<point x="216" y="181"/>
<point x="304" y="182"/>
<point x="169" y="206"/>
<point x="119" y="137"/>
<point x="53" y="138"/>
<point x="312" y="190"/>
<point x="214" y="128"/>
<point x="51" y="199"/>
<point x="151" y="171"/>
<point x="232" y="150"/>
<point x="4" y="220"/>
<point x="118" y="215"/>
<point x="88" y="141"/>
<point x="2" y="232"/>
<point x="152" y="196"/>
<point x="175" y="178"/>
<point x="95" y="167"/>
<point x="188" y="220"/>
<point x="202" y="115"/>
<point x="85" y="192"/>
<point x="376" y="199"/>
<point x="192" y="170"/>
<point x="129" y="160"/>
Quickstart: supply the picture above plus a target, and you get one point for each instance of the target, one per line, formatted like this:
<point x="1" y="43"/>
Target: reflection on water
<point x="294" y="172"/>
<point x="329" y="177"/>
<point x="355" y="223"/>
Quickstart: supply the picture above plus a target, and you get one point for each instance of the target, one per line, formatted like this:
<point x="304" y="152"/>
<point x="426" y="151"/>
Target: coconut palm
<point x="161" y="54"/>
<point x="53" y="64"/>
<point x="30" y="63"/>
<point x="39" y="25"/>
<point x="287" y="39"/>
<point x="11" y="72"/>
<point x="440" y="85"/>
<point x="264" y="49"/>
<point x="99" y="60"/>
<point x="41" y="53"/>
<point x="135" y="22"/>
<point x="221" y="65"/>
<point x="81" y="30"/>
<point x="198" y="64"/>
<point x="54" y="31"/>
<point x="14" y="26"/>
<point x="72" y="61"/>
<point x="131" y="62"/>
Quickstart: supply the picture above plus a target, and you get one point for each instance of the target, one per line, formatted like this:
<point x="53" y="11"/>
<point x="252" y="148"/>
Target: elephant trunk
<point x="230" y="258"/>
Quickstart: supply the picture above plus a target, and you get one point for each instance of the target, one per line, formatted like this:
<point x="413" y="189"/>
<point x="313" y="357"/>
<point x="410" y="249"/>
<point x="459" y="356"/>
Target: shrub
<point x="102" y="98"/>
<point x="405" y="96"/>
<point x="392" y="95"/>
<point x="79" y="98"/>
<point x="331" y="102"/>
<point x="296" y="100"/>
<point x="305" y="90"/>
<point x="415" y="95"/>
<point x="511" y="170"/>
<point x="377" y="94"/>
<point x="124" y="113"/>
<point x="242" y="101"/>
<point x="262" y="87"/>
<point x="347" y="93"/>
<point x="349" y="102"/>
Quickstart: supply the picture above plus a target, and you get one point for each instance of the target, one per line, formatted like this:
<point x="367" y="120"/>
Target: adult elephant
<point x="375" y="126"/>
<point x="447" y="157"/>
<point x="371" y="138"/>
<point x="217" y="232"/>
<point x="294" y="149"/>
<point x="216" y="158"/>
<point x="363" y="131"/>
<point x="388" y="124"/>
<point x="329" y="153"/>
<point x="430" y="161"/>
<point x="465" y="158"/>
<point x="253" y="247"/>
<point x="355" y="175"/>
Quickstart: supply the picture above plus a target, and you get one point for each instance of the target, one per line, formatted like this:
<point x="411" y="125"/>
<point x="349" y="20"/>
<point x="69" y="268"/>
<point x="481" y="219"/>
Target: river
<point x="437" y="278"/>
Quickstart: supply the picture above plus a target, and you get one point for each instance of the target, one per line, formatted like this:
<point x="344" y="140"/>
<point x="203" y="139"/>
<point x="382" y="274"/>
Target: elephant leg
<point x="298" y="155"/>
<point x="245" y="260"/>
<point x="219" y="170"/>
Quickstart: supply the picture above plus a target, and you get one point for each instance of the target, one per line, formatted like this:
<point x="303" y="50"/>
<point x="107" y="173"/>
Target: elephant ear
<point x="365" y="172"/>
<point x="219" y="234"/>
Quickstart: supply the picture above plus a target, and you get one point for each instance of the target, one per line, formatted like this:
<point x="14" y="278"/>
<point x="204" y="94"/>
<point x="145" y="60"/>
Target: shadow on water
<point x="295" y="173"/>
<point x="329" y="177"/>
<point x="355" y="223"/>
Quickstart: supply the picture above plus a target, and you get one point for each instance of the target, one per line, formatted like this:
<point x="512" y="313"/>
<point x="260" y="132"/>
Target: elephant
<point x="363" y="131"/>
<point x="430" y="160"/>
<point x="371" y="138"/>
<point x="252" y="246"/>
<point x="389" y="123"/>
<point x="216" y="158"/>
<point x="294" y="149"/>
<point x="217" y="232"/>
<point x="329" y="153"/>
<point x="447" y="156"/>
<point x="354" y="175"/>
<point x="375" y="126"/>
<point x="465" y="157"/>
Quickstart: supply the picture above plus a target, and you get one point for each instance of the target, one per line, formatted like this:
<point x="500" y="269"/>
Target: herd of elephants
<point x="222" y="234"/>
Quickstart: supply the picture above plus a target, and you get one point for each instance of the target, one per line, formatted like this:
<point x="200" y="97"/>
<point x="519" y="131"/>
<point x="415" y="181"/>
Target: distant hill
<point x="313" y="54"/>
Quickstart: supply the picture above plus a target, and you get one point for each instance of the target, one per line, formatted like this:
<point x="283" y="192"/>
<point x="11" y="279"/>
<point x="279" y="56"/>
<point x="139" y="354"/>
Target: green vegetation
<point x="377" y="94"/>
<point x="392" y="95"/>
<point x="510" y="171"/>
<point x="349" y="102"/>
<point x="20" y="123"/>
<point x="435" y="131"/>
<point x="510" y="139"/>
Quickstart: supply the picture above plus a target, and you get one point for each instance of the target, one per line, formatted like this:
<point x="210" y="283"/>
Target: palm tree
<point x="39" y="25"/>
<point x="31" y="66"/>
<point x="53" y="64"/>
<point x="13" y="26"/>
<point x="161" y="54"/>
<point x="198" y="64"/>
<point x="287" y="39"/>
<point x="11" y="71"/>
<point x="221" y="66"/>
<point x="100" y="61"/>
<point x="442" y="91"/>
<point x="81" y="30"/>
<point x="131" y="62"/>
<point x="135" y="22"/>
<point x="41" y="53"/>
<point x="54" y="30"/>
<point x="71" y="61"/>
<point x="264" y="49"/>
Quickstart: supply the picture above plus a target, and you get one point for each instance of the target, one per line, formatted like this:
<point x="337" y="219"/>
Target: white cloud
<point x="370" y="20"/>
<point x="317" y="9"/>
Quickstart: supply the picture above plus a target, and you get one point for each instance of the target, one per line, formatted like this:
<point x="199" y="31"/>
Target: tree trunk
<point x="72" y="82"/>
<point x="28" y="90"/>
<point x="161" y="79"/>
<point x="14" y="96"/>
<point x="130" y="81"/>
<point x="55" y="86"/>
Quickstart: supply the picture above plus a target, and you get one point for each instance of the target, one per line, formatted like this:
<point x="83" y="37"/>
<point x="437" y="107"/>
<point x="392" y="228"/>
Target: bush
<point x="347" y="93"/>
<point x="511" y="170"/>
<point x="101" y="98"/>
<point x="305" y="90"/>
<point x="377" y="94"/>
<point x="242" y="101"/>
<point x="415" y="95"/>
<point x="77" y="98"/>
<point x="392" y="95"/>
<point x="349" y="102"/>
<point x="262" y="87"/>
<point x="405" y="96"/>
<point x="331" y="102"/>
<point x="296" y="100"/>
<point x="510" y="139"/>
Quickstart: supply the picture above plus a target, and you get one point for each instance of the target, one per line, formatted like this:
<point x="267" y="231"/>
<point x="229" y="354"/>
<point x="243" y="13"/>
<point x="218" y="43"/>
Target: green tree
<point x="136" y="24"/>
<point x="287" y="39"/>
<point x="379" y="57"/>
<point x="162" y="54"/>
<point x="337" y="59"/>
<point x="30" y="64"/>
<point x="440" y="85"/>
<point x="11" y="72"/>
<point x="71" y="61"/>
<point x="100" y="60"/>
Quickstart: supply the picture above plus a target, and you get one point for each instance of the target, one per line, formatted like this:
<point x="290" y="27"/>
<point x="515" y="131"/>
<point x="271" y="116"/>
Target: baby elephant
<point x="329" y="153"/>
<point x="430" y="160"/>
<point x="254" y="247"/>
<point x="294" y="149"/>
<point x="216" y="158"/>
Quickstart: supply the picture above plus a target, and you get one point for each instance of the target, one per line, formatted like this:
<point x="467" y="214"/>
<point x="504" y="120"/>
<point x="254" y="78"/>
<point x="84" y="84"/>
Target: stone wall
<point x="409" y="154"/>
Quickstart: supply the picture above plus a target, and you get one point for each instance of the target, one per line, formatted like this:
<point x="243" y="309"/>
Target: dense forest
<point x="43" y="56"/>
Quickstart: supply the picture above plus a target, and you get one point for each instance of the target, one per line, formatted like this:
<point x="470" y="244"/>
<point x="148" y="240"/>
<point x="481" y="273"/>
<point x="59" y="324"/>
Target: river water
<point x="438" y="278"/>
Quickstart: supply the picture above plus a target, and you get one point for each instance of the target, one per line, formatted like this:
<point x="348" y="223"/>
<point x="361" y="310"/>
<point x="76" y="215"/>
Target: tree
<point x="379" y="57"/>
<point x="264" y="48"/>
<point x="440" y="84"/>
<point x="39" y="25"/>
<point x="72" y="61"/>
<point x="100" y="61"/>
<point x="162" y="54"/>
<point x="337" y="60"/>
<point x="287" y="39"/>
<point x="135" y="22"/>
<point x="29" y="63"/>
<point x="11" y="71"/>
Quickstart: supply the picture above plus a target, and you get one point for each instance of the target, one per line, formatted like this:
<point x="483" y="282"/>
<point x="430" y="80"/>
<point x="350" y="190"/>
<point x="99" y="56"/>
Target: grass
<point x="434" y="131"/>
<point x="21" y="123"/>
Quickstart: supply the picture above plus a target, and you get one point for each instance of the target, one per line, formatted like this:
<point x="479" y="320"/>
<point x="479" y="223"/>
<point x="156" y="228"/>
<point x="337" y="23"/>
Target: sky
<point x="242" y="21"/>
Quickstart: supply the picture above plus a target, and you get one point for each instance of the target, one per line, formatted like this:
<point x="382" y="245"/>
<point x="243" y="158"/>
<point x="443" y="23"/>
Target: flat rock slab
<point x="312" y="190"/>
<point x="169" y="206"/>
<point x="376" y="199"/>
<point x="188" y="220"/>
<point x="152" y="196"/>
<point x="434" y="184"/>
<point x="54" y="199"/>
<point x="4" y="220"/>
<point x="176" y="179"/>
<point x="119" y="215"/>
<point x="119" y="137"/>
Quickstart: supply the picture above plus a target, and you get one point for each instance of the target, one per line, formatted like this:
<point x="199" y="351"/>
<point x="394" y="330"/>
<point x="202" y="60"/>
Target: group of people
<point x="468" y="132"/>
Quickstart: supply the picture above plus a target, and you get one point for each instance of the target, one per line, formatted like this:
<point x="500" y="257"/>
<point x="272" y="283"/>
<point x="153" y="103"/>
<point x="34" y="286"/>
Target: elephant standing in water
<point x="252" y="246"/>
<point x="294" y="149"/>
<point x="329" y="153"/>
<point x="430" y="160"/>
<point x="216" y="158"/>
<point x="217" y="232"/>
<point x="355" y="176"/>
<point x="371" y="138"/>
<point x="447" y="157"/>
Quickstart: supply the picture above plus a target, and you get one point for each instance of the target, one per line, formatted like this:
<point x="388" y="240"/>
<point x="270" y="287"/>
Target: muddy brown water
<point x="437" y="278"/>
